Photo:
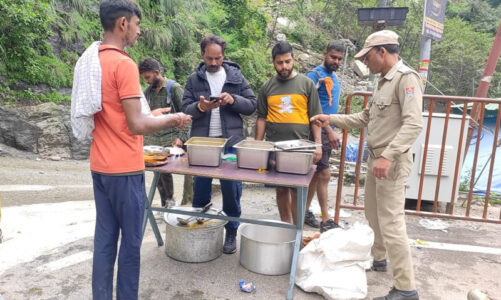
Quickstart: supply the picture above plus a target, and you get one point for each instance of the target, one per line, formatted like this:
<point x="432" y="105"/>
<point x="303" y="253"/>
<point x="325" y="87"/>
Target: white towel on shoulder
<point x="86" y="96"/>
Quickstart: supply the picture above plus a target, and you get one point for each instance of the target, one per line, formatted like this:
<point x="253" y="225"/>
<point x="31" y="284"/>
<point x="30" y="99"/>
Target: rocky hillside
<point x="41" y="40"/>
<point x="45" y="129"/>
<point x="28" y="127"/>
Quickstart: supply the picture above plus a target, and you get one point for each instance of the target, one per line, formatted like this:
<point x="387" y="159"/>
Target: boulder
<point x="281" y="37"/>
<point x="11" y="151"/>
<point x="305" y="58"/>
<point x="360" y="69"/>
<point x="36" y="89"/>
<point x="54" y="139"/>
<point x="43" y="129"/>
<point x="17" y="132"/>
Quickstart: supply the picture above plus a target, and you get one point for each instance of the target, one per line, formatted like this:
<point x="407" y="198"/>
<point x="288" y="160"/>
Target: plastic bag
<point x="334" y="265"/>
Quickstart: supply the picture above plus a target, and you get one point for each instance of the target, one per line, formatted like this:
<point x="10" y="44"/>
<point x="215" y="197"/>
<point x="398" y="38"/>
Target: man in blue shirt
<point x="329" y="90"/>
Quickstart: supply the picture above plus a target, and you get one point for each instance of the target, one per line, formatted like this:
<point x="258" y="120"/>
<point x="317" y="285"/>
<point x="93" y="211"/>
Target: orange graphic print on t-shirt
<point x="291" y="108"/>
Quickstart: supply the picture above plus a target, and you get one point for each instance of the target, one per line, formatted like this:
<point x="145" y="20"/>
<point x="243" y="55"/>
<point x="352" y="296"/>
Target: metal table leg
<point x="301" y="206"/>
<point x="148" y="213"/>
<point x="302" y="193"/>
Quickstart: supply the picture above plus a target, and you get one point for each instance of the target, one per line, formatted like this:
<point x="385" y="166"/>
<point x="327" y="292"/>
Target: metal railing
<point x="489" y="213"/>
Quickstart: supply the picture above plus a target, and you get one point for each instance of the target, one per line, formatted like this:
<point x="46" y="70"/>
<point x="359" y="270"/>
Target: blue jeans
<point x="120" y="202"/>
<point x="231" y="190"/>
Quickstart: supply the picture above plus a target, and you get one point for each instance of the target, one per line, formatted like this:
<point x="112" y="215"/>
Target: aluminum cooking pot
<point x="266" y="250"/>
<point x="195" y="242"/>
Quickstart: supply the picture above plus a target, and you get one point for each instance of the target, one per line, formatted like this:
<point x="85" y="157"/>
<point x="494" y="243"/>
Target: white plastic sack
<point x="334" y="264"/>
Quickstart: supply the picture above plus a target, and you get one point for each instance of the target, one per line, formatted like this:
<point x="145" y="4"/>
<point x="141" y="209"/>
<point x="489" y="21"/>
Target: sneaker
<point x="395" y="294"/>
<point x="170" y="203"/>
<point x="379" y="265"/>
<point x="309" y="219"/>
<point x="328" y="225"/>
<point x="230" y="242"/>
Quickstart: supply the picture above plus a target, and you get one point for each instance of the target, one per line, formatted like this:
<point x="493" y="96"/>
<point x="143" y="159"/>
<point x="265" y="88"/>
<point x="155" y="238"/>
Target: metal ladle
<point x="187" y="221"/>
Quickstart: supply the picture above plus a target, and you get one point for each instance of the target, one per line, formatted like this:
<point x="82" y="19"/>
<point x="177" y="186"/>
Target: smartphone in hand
<point x="213" y="98"/>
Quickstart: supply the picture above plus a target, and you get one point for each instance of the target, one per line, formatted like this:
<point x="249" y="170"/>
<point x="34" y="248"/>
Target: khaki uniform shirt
<point x="392" y="116"/>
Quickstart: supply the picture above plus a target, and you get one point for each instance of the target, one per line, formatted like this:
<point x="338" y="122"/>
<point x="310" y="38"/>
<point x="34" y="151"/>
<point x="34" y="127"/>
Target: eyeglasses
<point x="366" y="57"/>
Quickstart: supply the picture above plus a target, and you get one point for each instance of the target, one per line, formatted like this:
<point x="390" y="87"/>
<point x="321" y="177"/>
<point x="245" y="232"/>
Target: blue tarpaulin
<point x="484" y="154"/>
<point x="352" y="151"/>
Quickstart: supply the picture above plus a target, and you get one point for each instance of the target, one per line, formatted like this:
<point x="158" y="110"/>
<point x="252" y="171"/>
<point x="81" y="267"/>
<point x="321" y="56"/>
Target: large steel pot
<point x="194" y="242"/>
<point x="266" y="250"/>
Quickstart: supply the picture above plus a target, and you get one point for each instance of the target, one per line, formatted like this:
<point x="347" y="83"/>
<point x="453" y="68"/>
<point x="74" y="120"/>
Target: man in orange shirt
<point x="116" y="155"/>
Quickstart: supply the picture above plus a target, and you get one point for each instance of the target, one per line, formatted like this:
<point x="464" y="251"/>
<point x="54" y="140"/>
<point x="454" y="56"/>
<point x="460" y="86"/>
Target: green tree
<point x="23" y="33"/>
<point x="483" y="15"/>
<point x="244" y="28"/>
<point x="458" y="58"/>
<point x="172" y="29"/>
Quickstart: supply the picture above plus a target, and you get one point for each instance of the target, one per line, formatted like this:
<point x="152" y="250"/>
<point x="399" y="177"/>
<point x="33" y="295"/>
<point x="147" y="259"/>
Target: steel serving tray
<point x="253" y="154"/>
<point x="296" y="145"/>
<point x="296" y="162"/>
<point x="205" y="151"/>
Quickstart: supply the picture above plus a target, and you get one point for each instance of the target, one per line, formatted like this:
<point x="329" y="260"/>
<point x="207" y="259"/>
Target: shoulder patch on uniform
<point x="405" y="69"/>
<point x="409" y="92"/>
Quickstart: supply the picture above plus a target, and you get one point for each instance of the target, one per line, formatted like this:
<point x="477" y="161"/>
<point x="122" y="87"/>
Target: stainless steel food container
<point x="266" y="250"/>
<point x="194" y="242"/>
<point x="253" y="154"/>
<point x="296" y="145"/>
<point x="205" y="151"/>
<point x="296" y="162"/>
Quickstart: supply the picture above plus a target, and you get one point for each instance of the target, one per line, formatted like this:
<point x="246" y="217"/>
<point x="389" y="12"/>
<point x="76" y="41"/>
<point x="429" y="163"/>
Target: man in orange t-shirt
<point x="116" y="155"/>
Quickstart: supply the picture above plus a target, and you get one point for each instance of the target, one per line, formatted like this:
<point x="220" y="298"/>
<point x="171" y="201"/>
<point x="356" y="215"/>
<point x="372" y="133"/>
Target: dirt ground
<point x="48" y="222"/>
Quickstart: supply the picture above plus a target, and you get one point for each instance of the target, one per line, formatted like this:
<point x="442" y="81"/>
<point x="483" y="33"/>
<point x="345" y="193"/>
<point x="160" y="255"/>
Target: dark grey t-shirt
<point x="288" y="106"/>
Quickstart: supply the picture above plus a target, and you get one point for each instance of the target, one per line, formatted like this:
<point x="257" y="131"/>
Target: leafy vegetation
<point x="464" y="188"/>
<point x="455" y="72"/>
<point x="40" y="40"/>
<point x="28" y="97"/>
<point x="23" y="34"/>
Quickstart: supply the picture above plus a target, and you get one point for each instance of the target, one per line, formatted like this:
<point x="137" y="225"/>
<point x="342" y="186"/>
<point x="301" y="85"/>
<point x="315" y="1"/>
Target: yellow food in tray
<point x="157" y="153"/>
<point x="155" y="158"/>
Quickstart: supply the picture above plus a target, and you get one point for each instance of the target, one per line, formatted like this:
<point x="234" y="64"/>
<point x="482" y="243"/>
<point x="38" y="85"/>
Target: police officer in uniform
<point x="393" y="119"/>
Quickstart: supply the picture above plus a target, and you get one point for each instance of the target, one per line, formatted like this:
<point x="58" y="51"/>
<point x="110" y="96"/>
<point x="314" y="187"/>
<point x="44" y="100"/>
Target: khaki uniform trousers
<point x="384" y="209"/>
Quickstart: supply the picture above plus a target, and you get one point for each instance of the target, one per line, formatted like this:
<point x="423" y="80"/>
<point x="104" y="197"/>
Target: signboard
<point x="433" y="19"/>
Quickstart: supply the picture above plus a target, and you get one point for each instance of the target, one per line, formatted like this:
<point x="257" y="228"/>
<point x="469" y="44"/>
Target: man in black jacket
<point x="216" y="95"/>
